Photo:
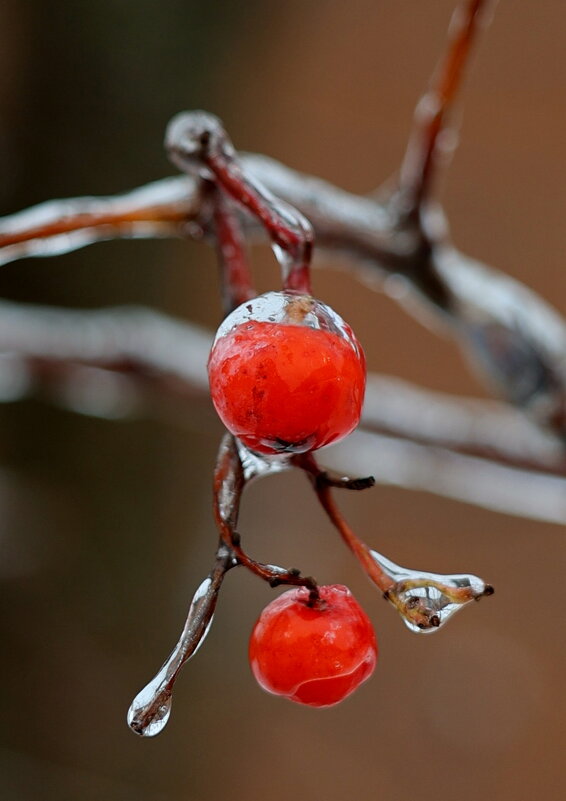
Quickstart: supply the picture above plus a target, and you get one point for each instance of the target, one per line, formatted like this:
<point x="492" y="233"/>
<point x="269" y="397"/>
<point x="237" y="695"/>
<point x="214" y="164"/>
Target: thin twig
<point x="420" y="163"/>
<point x="235" y="278"/>
<point x="230" y="480"/>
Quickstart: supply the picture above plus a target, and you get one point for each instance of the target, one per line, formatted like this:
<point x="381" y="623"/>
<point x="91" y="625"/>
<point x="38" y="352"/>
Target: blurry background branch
<point x="124" y="362"/>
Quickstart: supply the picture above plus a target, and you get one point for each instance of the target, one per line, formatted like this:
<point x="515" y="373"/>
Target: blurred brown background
<point x="106" y="527"/>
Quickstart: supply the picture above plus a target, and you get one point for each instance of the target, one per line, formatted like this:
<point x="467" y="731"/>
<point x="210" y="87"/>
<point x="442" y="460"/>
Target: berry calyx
<point x="314" y="655"/>
<point x="287" y="374"/>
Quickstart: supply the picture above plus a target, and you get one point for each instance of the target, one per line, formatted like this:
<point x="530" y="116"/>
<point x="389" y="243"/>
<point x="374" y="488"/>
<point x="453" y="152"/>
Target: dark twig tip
<point x="361" y="483"/>
<point x="324" y="479"/>
<point x="136" y="726"/>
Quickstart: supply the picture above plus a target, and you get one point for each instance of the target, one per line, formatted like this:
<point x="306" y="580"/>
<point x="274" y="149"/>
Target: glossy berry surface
<point x="313" y="655"/>
<point x="287" y="374"/>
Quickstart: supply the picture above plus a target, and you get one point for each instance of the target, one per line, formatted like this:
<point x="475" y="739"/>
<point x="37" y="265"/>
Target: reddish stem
<point x="322" y="484"/>
<point x="235" y="275"/>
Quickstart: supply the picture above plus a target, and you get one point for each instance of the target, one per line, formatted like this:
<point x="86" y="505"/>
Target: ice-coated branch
<point x="198" y="144"/>
<point x="150" y="709"/>
<point x="159" y="209"/>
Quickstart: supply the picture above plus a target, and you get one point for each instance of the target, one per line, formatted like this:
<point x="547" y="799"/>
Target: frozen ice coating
<point x="256" y="465"/>
<point x="288" y="308"/>
<point x="284" y="259"/>
<point x="426" y="601"/>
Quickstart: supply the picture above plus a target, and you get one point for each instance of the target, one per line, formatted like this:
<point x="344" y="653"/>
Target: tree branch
<point x="150" y="709"/>
<point x="158" y="209"/>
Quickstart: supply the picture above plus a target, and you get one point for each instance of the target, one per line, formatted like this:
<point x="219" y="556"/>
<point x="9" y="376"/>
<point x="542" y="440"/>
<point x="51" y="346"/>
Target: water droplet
<point x="426" y="601"/>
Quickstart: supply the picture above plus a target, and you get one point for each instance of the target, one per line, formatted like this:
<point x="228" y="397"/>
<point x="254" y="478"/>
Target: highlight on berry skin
<point x="314" y="654"/>
<point x="287" y="374"/>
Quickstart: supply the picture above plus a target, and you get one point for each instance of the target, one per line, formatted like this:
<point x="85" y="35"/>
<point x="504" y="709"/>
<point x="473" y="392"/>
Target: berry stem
<point x="230" y="479"/>
<point x="235" y="277"/>
<point x="197" y="142"/>
<point x="324" y="478"/>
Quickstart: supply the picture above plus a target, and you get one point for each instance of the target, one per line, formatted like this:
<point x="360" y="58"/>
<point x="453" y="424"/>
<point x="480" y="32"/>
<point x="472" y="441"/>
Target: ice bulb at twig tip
<point x="426" y="601"/>
<point x="151" y="708"/>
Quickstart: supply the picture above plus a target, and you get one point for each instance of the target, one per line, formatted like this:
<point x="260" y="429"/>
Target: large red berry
<point x="287" y="374"/>
<point x="313" y="655"/>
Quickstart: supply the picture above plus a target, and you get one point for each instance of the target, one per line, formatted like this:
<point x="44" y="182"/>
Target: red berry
<point x="287" y="374"/>
<point x="313" y="655"/>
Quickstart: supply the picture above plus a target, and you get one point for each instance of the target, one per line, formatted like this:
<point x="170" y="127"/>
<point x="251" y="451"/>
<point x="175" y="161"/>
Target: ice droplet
<point x="426" y="601"/>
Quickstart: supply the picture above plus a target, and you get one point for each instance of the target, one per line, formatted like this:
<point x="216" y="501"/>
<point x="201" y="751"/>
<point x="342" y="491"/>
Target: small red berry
<point x="314" y="655"/>
<point x="287" y="374"/>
